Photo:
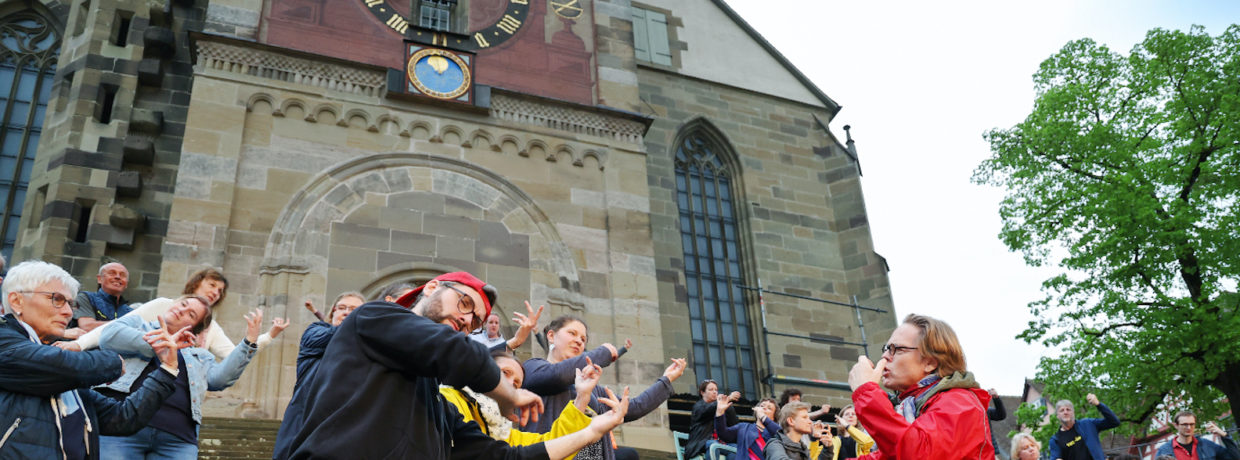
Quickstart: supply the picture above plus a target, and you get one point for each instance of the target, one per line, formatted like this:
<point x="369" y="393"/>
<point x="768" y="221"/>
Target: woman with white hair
<point x="1025" y="447"/>
<point x="47" y="409"/>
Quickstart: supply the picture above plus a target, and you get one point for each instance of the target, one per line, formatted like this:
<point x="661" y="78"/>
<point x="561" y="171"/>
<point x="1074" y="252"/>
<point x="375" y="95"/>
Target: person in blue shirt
<point x="1078" y="439"/>
<point x="93" y="309"/>
<point x="1186" y="445"/>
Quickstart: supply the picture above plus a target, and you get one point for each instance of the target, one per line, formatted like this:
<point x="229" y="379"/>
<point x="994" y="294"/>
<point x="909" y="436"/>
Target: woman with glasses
<point x="941" y="412"/>
<point x="47" y="409"/>
<point x="552" y="378"/>
<point x="207" y="283"/>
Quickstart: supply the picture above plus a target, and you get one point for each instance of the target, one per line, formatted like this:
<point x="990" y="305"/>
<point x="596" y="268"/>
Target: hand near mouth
<point x="864" y="371"/>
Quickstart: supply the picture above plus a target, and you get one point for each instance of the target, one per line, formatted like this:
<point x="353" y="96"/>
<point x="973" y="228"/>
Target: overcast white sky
<point x="920" y="82"/>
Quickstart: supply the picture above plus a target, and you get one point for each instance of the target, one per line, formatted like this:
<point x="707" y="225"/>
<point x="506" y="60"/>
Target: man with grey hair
<point x="1078" y="439"/>
<point x="94" y="309"/>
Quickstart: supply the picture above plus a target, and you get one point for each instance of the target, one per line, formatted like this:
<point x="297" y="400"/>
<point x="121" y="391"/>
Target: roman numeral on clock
<point x="509" y="24"/>
<point x="398" y="23"/>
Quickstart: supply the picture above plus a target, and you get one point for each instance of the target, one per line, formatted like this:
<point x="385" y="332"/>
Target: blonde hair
<point x="790" y="410"/>
<point x="1016" y="444"/>
<point x="938" y="341"/>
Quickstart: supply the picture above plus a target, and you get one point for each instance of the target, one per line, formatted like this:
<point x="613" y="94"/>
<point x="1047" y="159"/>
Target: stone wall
<point x="301" y="180"/>
<point x="803" y="226"/>
<point x="102" y="181"/>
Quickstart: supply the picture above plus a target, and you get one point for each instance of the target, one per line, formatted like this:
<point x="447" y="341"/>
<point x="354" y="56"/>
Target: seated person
<point x="750" y="439"/>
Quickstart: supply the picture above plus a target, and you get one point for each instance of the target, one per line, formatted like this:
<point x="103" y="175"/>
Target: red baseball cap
<point x="488" y="292"/>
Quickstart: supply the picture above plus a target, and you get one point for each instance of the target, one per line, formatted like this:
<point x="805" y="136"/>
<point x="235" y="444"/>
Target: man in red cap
<point x="375" y="393"/>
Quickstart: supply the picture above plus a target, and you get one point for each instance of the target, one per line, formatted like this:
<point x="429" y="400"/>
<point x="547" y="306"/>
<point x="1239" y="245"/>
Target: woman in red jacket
<point x="942" y="410"/>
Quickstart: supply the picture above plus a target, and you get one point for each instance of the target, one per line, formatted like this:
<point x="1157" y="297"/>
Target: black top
<point x="176" y="416"/>
<point x="998" y="412"/>
<point x="848" y="447"/>
<point x="75" y="446"/>
<point x="375" y="393"/>
<point x="1072" y="445"/>
<point x="702" y="426"/>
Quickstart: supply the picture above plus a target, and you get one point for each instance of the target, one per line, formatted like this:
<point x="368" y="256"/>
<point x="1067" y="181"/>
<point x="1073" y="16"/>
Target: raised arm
<point x="125" y="336"/>
<point x="147" y="312"/>
<point x="225" y="374"/>
<point x="123" y="418"/>
<point x="412" y="345"/>
<point x="1109" y="420"/>
<point x="727" y="433"/>
<point x="40" y="370"/>
<point x="654" y="396"/>
<point x="999" y="412"/>
<point x="545" y="378"/>
<point x="525" y="324"/>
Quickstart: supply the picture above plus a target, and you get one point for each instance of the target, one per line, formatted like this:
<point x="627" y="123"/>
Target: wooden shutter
<point x="641" y="38"/>
<point x="656" y="30"/>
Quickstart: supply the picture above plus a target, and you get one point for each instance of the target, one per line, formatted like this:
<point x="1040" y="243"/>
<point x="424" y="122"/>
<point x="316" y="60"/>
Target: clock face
<point x="439" y="73"/>
<point x="515" y="14"/>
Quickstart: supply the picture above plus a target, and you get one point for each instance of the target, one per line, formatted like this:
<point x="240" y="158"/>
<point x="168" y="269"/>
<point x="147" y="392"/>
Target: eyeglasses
<point x="58" y="300"/>
<point x="465" y="304"/>
<point x="895" y="349"/>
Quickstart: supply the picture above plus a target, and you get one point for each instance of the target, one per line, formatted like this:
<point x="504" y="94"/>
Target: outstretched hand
<point x="182" y="338"/>
<point x="166" y="344"/>
<point x="675" y="370"/>
<point x="277" y="326"/>
<point x="604" y="422"/>
<point x="253" y="322"/>
<point x="67" y="346"/>
<point x="865" y="371"/>
<point x="722" y="403"/>
<point x="523" y="408"/>
<point x="525" y="324"/>
<point x="587" y="378"/>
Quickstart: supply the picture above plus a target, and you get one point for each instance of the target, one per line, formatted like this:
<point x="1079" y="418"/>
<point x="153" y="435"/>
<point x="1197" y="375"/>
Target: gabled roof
<point x="832" y="106"/>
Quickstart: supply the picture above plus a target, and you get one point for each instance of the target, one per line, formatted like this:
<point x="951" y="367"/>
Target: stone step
<point x="237" y="438"/>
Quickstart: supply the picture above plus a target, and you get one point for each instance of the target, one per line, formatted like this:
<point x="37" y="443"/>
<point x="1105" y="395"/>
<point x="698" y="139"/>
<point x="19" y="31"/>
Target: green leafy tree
<point x="1127" y="175"/>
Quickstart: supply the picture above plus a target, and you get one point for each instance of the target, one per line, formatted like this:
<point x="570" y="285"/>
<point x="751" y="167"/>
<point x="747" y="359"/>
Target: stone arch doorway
<point x="373" y="220"/>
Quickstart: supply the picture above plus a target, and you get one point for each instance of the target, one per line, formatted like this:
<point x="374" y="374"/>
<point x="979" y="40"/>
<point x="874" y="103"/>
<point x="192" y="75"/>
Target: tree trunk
<point x="1228" y="382"/>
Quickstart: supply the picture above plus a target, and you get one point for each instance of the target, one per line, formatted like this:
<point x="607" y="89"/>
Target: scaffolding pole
<point x="771" y="378"/>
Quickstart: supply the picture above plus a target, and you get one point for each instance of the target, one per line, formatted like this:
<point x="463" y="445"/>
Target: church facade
<point x="643" y="165"/>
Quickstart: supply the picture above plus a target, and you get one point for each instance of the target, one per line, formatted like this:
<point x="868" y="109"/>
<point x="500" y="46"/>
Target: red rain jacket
<point x="952" y="425"/>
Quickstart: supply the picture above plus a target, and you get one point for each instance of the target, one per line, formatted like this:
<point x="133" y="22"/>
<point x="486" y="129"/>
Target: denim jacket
<point x="124" y="336"/>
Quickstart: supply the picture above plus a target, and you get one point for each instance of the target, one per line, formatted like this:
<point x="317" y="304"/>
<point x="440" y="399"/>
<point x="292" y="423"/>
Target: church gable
<point x="706" y="39"/>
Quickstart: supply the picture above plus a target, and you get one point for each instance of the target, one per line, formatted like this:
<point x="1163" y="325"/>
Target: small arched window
<point x="719" y="323"/>
<point x="29" y="46"/>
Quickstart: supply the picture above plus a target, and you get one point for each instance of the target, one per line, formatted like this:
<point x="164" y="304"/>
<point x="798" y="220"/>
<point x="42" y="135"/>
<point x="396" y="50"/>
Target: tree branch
<point x="1112" y="327"/>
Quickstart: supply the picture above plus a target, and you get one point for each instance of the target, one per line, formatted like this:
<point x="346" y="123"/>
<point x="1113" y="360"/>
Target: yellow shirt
<point x="864" y="444"/>
<point x="571" y="420"/>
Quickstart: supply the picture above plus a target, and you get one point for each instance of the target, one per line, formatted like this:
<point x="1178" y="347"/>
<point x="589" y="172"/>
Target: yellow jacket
<point x="864" y="444"/>
<point x="570" y="420"/>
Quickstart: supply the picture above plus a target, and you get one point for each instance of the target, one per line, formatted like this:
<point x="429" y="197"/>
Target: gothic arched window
<point x="29" y="45"/>
<point x="719" y="323"/>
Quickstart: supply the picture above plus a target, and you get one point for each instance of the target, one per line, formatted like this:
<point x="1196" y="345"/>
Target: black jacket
<point x="702" y="426"/>
<point x="33" y="375"/>
<point x="375" y="394"/>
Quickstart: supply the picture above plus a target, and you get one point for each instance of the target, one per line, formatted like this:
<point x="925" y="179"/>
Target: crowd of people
<point x="423" y="372"/>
